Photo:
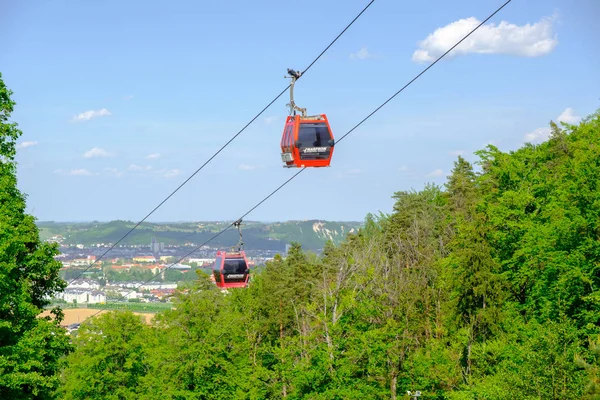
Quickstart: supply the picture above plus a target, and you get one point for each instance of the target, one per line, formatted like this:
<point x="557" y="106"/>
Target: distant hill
<point x="312" y="234"/>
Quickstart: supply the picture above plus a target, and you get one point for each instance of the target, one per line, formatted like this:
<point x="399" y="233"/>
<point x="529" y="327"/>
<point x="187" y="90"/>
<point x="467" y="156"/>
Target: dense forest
<point x="485" y="288"/>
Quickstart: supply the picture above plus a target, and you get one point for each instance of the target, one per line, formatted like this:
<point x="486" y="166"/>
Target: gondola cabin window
<point x="313" y="141"/>
<point x="217" y="269"/>
<point x="234" y="270"/>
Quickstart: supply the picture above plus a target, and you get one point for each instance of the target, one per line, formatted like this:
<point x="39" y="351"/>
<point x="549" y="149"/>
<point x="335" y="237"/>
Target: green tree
<point x="592" y="389"/>
<point x="474" y="279"/>
<point x="487" y="290"/>
<point x="30" y="347"/>
<point x="110" y="358"/>
<point x="461" y="187"/>
<point x="196" y="351"/>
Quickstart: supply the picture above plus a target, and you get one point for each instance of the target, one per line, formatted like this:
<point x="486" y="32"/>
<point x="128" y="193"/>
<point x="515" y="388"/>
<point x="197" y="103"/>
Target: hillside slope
<point x="312" y="234"/>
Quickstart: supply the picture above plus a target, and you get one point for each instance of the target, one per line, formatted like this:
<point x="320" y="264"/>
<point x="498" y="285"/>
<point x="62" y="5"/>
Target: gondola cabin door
<point x="231" y="270"/>
<point x="307" y="141"/>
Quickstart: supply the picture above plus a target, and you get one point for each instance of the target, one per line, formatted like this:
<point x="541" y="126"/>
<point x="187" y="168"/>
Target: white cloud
<point x="97" y="152"/>
<point x="435" y="173"/>
<point x="538" y="135"/>
<point x="270" y="120"/>
<point x="172" y="173"/>
<point x="568" y="116"/>
<point x="26" y="144"/>
<point x="362" y="54"/>
<point x="403" y="168"/>
<point x="247" y="167"/>
<point x="128" y="97"/>
<point x="80" y="172"/>
<point x="165" y="173"/>
<point x="152" y="156"/>
<point x="114" y="171"/>
<point x="74" y="172"/>
<point x="457" y="153"/>
<point x="542" y="134"/>
<point x="88" y="115"/>
<point x="530" y="40"/>
<point x="134" y="167"/>
<point x="349" y="174"/>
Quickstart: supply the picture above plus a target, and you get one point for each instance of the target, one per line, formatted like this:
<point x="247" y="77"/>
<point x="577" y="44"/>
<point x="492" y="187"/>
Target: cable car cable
<point x="422" y="72"/>
<point x="346" y="134"/>
<point x="222" y="148"/>
<point x="209" y="240"/>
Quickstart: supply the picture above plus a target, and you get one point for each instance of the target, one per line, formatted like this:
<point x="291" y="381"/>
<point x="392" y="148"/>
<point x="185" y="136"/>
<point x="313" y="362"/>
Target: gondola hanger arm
<point x="294" y="75"/>
<point x="238" y="225"/>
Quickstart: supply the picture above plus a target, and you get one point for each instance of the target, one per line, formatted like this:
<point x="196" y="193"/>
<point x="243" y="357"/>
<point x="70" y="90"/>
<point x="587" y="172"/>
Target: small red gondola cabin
<point x="231" y="270"/>
<point x="307" y="141"/>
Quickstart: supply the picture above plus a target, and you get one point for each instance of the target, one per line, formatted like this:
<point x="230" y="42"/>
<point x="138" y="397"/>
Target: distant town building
<point x="121" y="268"/>
<point x="79" y="262"/>
<point x="201" y="261"/>
<point x="162" y="293"/>
<point x="180" y="267"/>
<point x="81" y="296"/>
<point x="158" y="286"/>
<point x="56" y="239"/>
<point x="84" y="284"/>
<point x="130" y="294"/>
<point x="156" y="247"/>
<point x="151" y="259"/>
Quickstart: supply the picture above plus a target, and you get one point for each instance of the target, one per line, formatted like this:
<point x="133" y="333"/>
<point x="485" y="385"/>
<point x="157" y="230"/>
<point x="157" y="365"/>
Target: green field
<point x="135" y="307"/>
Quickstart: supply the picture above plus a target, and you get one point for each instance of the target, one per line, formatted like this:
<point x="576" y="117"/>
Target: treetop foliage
<point x="486" y="288"/>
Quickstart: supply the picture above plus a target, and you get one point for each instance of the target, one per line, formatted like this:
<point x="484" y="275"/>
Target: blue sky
<point x="120" y="102"/>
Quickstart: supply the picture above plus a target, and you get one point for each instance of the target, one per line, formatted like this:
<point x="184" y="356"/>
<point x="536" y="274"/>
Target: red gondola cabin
<point x="307" y="141"/>
<point x="231" y="269"/>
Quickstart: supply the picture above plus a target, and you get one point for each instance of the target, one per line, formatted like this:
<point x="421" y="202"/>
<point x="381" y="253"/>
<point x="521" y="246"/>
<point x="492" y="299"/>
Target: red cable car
<point x="230" y="269"/>
<point x="307" y="141"/>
